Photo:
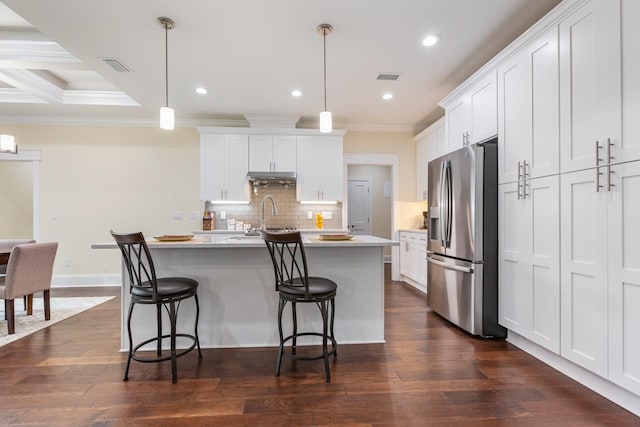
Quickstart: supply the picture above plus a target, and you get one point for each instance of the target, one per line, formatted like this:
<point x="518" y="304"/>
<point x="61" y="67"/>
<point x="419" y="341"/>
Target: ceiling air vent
<point x="388" y="76"/>
<point x="116" y="65"/>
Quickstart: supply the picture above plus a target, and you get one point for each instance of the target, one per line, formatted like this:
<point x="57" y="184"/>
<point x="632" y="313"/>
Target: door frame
<point x="374" y="159"/>
<point x="368" y="181"/>
<point x="32" y="156"/>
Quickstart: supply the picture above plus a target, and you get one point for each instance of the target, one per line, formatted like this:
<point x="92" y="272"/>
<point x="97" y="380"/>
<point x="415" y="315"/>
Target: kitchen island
<point x="238" y="302"/>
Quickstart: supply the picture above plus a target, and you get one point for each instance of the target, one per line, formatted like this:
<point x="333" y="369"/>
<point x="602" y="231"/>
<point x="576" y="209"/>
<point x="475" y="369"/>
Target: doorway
<point x="359" y="199"/>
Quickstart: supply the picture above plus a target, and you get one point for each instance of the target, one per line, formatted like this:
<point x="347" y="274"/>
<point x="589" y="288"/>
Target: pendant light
<point x="8" y="144"/>
<point x="166" y="112"/>
<point x="325" y="116"/>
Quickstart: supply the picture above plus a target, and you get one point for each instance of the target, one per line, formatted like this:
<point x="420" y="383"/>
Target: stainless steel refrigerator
<point x="462" y="255"/>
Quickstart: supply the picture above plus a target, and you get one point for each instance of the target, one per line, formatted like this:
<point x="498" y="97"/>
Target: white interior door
<point x="359" y="206"/>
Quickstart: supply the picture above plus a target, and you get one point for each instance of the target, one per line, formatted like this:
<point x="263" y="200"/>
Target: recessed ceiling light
<point x="387" y="96"/>
<point x="202" y="90"/>
<point x="430" y="40"/>
<point x="296" y="93"/>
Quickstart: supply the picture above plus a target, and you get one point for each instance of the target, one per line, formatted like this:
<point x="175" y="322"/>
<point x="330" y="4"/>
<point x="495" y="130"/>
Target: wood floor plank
<point x="428" y="373"/>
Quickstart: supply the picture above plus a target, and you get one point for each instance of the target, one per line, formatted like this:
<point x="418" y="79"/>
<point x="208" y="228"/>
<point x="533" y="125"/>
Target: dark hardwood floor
<point x="428" y="373"/>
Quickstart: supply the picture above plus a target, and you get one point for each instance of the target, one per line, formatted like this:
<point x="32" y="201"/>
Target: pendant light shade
<point x="167" y="118"/>
<point x="326" y="124"/>
<point x="167" y="121"/>
<point x="8" y="144"/>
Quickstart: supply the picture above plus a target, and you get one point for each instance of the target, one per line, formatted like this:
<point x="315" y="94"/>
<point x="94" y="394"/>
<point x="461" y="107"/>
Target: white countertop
<point x="414" y="230"/>
<point x="303" y="231"/>
<point x="241" y="241"/>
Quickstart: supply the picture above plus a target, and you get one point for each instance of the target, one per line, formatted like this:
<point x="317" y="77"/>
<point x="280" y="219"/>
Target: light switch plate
<point x="223" y="215"/>
<point x="327" y="215"/>
<point x="309" y="215"/>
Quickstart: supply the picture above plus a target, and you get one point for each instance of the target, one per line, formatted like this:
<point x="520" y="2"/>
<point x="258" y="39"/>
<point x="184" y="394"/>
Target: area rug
<point x="61" y="308"/>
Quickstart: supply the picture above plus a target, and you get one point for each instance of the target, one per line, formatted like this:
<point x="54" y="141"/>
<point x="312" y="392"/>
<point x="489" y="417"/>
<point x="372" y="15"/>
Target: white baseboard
<point x="85" y="280"/>
<point x="419" y="286"/>
<point x="613" y="392"/>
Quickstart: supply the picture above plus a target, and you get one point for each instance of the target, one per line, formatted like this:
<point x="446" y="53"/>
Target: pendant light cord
<point x="324" y="42"/>
<point x="166" y="65"/>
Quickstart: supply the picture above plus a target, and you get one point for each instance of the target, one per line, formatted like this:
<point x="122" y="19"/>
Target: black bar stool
<point x="294" y="285"/>
<point x="145" y="288"/>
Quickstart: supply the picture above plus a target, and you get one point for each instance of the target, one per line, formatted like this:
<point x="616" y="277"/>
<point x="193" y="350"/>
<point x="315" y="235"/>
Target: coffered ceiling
<point x="55" y="58"/>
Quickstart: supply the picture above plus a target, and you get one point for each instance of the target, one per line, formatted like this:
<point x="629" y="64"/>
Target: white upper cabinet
<point x="319" y="168"/>
<point x="483" y="106"/>
<point x="590" y="85"/>
<point x="472" y="116"/>
<point x="528" y="111"/>
<point x="272" y="153"/>
<point x="457" y="124"/>
<point x="629" y="148"/>
<point x="429" y="145"/>
<point x="224" y="167"/>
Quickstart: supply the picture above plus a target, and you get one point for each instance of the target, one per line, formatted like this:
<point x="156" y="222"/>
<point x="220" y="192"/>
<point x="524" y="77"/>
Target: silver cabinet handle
<point x="609" y="156"/>
<point x="524" y="179"/>
<point x="598" y="159"/>
<point x="450" y="266"/>
<point x="519" y="176"/>
<point x="221" y="195"/>
<point x="609" y="173"/>
<point x="598" y="186"/>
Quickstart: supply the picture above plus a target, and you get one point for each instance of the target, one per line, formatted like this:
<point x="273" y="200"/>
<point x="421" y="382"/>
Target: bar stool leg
<point x="196" y="330"/>
<point x="174" y="363"/>
<point x="281" y="305"/>
<point x="333" y="311"/>
<point x="126" y="371"/>
<point x="325" y="353"/>
<point x="294" y="344"/>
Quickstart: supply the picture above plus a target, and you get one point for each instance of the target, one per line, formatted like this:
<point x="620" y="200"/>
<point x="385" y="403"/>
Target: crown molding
<point x="112" y="121"/>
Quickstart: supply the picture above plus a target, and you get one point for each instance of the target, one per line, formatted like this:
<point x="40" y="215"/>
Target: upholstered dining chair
<point x="167" y="292"/>
<point x="294" y="285"/>
<point x="29" y="270"/>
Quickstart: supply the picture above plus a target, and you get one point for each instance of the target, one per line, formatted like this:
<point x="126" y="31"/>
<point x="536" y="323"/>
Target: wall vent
<point x="388" y="76"/>
<point x="116" y="65"/>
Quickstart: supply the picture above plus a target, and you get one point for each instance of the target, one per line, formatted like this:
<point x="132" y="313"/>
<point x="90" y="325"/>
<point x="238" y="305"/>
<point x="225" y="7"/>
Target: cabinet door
<point x="308" y="168"/>
<point x="583" y="256"/>
<point x="543" y="197"/>
<point x="457" y="123"/>
<point x="514" y="138"/>
<point x="260" y="148"/>
<point x="483" y="103"/>
<point x="590" y="83"/>
<point x="237" y="188"/>
<point x="284" y="153"/>
<point x="332" y="168"/>
<point x="514" y="285"/>
<point x="422" y="265"/>
<point x="422" y="159"/>
<point x="543" y="105"/>
<point x="629" y="147"/>
<point x="624" y="276"/>
<point x="213" y="167"/>
<point x="405" y="255"/>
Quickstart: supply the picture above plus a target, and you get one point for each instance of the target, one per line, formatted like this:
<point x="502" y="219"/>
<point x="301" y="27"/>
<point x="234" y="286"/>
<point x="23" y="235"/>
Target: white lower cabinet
<point x="413" y="259"/>
<point x="529" y="266"/>
<point x="601" y="271"/>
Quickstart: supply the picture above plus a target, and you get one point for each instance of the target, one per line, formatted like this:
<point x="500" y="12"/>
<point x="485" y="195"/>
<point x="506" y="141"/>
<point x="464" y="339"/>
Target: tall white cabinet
<point x="568" y="120"/>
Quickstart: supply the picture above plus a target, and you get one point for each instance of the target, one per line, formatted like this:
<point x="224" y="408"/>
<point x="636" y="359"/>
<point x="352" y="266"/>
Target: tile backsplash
<point x="290" y="212"/>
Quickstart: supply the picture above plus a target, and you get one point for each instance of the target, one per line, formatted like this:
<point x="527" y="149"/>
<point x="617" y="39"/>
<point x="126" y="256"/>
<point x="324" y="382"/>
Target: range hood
<point x="272" y="179"/>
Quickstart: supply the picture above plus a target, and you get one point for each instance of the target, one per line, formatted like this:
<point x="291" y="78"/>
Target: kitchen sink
<point x="242" y="239"/>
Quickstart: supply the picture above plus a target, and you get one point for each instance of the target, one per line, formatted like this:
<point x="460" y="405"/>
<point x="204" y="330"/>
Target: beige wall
<point x="93" y="179"/>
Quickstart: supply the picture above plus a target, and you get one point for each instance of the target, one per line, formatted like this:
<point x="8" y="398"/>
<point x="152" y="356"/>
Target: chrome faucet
<point x="274" y="209"/>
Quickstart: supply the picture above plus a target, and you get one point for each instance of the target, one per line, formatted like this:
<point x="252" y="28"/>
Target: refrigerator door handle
<point x="449" y="266"/>
<point x="449" y="197"/>
<point x="443" y="218"/>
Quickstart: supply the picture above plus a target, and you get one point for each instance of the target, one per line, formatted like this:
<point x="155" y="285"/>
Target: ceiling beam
<point x="32" y="83"/>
